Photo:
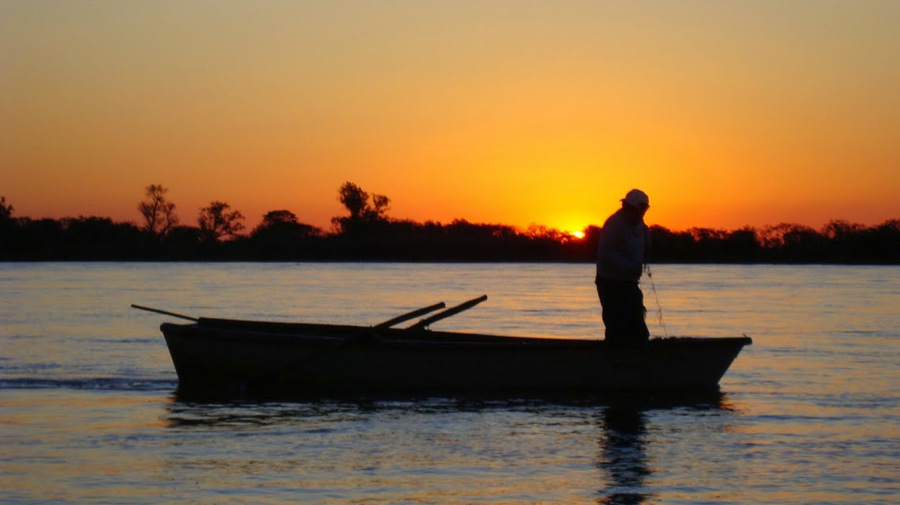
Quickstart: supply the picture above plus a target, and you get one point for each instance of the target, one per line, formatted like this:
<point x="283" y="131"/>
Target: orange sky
<point x="508" y="111"/>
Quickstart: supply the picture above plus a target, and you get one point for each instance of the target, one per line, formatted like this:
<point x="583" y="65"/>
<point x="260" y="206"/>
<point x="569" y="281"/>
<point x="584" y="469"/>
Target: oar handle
<point x="447" y="313"/>
<point x="164" y="312"/>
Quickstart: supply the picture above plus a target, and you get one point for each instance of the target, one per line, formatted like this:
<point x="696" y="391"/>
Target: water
<point x="809" y="413"/>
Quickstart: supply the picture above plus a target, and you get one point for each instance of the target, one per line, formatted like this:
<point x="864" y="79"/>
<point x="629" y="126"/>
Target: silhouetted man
<point x="621" y="251"/>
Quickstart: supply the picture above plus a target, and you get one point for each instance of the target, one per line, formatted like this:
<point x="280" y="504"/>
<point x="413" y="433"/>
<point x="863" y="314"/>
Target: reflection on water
<point x="623" y="456"/>
<point x="499" y="446"/>
<point x="625" y="441"/>
<point x="187" y="410"/>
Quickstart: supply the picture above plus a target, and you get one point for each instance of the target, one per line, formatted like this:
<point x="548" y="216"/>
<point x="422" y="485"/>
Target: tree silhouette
<point x="378" y="210"/>
<point x="278" y="218"/>
<point x="282" y="236"/>
<point x="8" y="230"/>
<point x="158" y="211"/>
<point x="284" y="223"/>
<point x="216" y="221"/>
<point x="6" y="209"/>
<point x="354" y="199"/>
<point x="364" y="216"/>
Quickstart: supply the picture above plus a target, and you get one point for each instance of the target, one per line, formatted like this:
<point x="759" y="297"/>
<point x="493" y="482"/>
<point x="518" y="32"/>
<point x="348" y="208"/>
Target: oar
<point x="447" y="313"/>
<point x="397" y="320"/>
<point x="410" y="315"/>
<point x="150" y="309"/>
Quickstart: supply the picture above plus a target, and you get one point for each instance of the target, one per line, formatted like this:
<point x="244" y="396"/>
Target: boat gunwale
<point x="304" y="333"/>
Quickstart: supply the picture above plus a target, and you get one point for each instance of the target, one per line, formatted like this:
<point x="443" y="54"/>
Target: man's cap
<point x="637" y="199"/>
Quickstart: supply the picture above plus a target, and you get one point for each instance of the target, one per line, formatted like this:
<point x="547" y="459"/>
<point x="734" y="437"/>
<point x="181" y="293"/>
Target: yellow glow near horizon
<point x="753" y="113"/>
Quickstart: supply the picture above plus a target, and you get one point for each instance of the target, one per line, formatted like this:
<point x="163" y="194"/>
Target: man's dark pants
<point x="623" y="311"/>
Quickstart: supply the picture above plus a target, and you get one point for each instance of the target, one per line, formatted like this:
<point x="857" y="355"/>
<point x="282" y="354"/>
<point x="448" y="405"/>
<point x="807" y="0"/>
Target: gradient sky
<point x="728" y="113"/>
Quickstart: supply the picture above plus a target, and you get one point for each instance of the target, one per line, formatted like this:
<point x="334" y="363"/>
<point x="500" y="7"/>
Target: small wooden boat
<point x="300" y="358"/>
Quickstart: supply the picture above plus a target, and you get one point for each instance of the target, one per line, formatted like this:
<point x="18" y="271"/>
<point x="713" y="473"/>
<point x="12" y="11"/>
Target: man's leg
<point x="636" y="322"/>
<point x="612" y="295"/>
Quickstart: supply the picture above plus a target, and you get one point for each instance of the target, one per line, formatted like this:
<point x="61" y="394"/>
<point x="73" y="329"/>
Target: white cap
<point x="637" y="199"/>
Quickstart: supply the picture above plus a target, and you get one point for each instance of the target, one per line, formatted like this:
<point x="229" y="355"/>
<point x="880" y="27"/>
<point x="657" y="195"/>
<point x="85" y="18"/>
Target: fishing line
<point x="656" y="296"/>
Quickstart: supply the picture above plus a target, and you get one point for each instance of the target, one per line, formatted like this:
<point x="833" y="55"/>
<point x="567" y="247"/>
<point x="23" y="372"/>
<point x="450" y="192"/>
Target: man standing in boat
<point x="621" y="252"/>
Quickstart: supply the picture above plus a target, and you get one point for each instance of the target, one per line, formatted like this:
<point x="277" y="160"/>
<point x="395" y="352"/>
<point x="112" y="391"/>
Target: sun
<point x="577" y="234"/>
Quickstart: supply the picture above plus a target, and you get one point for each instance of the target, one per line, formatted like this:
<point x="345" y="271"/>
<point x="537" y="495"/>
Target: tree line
<point x="367" y="233"/>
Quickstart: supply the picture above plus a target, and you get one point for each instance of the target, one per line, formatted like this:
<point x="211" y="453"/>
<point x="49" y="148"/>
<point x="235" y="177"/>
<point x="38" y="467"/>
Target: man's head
<point x="636" y="201"/>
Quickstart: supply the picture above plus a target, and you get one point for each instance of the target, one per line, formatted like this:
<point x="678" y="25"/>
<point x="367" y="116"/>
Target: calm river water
<point x="810" y="413"/>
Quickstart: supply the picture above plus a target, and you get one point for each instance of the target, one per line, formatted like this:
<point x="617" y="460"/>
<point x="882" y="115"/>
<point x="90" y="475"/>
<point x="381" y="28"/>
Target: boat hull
<point x="301" y="359"/>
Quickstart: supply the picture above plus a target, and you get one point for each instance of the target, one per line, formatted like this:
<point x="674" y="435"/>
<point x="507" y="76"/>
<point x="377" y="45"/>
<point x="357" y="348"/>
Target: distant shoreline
<point x="101" y="239"/>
